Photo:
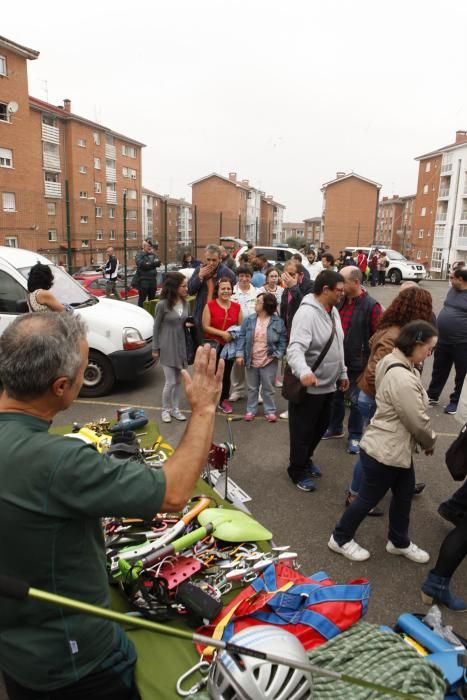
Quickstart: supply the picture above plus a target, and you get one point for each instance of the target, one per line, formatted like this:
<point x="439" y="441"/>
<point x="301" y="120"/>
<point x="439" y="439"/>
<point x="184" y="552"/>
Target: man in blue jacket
<point x="205" y="278"/>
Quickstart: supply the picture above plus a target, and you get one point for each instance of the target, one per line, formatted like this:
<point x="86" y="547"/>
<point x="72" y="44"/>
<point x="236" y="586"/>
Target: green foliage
<point x="295" y="242"/>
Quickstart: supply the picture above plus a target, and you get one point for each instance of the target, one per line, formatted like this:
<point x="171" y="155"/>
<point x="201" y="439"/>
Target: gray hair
<point x="354" y="273"/>
<point x="213" y="248"/>
<point x="36" y="349"/>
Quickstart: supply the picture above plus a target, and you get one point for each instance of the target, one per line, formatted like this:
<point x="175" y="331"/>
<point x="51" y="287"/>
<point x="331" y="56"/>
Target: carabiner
<point x="200" y="667"/>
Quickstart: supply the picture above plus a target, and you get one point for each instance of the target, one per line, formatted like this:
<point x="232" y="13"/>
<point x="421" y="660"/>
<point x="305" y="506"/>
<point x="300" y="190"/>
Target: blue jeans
<point x="264" y="377"/>
<point x="367" y="408"/>
<point x="355" y="424"/>
<point x="377" y="479"/>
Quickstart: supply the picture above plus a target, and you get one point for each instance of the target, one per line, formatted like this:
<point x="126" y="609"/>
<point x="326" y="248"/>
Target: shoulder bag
<point x="456" y="456"/>
<point x="292" y="388"/>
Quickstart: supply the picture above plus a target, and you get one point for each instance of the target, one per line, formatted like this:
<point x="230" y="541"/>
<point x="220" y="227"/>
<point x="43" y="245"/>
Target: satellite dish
<point x="12" y="107"/>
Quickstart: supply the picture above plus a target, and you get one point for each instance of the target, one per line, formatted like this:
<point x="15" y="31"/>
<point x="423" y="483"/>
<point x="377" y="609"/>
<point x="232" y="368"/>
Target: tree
<point x="295" y="242"/>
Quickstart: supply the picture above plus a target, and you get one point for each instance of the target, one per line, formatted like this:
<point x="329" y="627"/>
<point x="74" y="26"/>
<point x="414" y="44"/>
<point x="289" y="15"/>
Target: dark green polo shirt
<point x="53" y="490"/>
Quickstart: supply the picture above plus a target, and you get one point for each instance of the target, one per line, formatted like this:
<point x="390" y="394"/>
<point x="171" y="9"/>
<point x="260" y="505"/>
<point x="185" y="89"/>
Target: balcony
<point x="443" y="192"/>
<point x="446" y="168"/>
<point x="111" y="197"/>
<point x="51" y="162"/>
<point x="111" y="173"/>
<point x="441" y="215"/>
<point x="53" y="189"/>
<point x="110" y="151"/>
<point x="50" y="133"/>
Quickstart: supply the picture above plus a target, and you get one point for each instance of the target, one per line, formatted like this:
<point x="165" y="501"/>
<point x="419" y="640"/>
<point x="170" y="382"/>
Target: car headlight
<point x="132" y="339"/>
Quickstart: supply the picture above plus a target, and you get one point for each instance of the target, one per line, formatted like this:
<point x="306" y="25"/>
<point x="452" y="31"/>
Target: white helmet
<point x="242" y="677"/>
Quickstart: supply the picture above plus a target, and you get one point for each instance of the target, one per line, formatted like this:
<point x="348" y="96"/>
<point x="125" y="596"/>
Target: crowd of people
<point x="338" y="342"/>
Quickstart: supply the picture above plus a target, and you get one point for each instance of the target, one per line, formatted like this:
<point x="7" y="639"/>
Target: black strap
<point x="325" y="350"/>
<point x="397" y="364"/>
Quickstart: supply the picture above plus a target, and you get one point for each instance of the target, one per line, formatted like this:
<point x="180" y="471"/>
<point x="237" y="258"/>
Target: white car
<point x="399" y="268"/>
<point x="275" y="255"/>
<point x="119" y="334"/>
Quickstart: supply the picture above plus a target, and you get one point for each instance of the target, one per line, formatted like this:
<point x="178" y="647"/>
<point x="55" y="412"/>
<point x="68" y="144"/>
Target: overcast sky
<point x="284" y="93"/>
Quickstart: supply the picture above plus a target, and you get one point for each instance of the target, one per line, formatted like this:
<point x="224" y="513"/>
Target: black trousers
<point x="147" y="290"/>
<point x="445" y="356"/>
<point x="308" y="421"/>
<point x="452" y="551"/>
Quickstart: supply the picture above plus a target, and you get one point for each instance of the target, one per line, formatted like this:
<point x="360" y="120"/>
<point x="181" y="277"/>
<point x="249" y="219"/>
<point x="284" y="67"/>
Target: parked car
<point x="275" y="255"/>
<point x="119" y="335"/>
<point x="96" y="284"/>
<point x="399" y="268"/>
<point x="87" y="270"/>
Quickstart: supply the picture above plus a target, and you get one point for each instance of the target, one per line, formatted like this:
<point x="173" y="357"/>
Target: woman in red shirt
<point x="218" y="315"/>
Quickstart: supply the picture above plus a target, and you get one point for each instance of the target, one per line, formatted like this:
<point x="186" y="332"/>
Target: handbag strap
<point x="325" y="350"/>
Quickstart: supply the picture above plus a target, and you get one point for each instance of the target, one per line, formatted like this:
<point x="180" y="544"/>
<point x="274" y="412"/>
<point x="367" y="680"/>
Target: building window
<point x="131" y="214"/>
<point x="4" y="114"/>
<point x="111" y="186"/>
<point x="51" y="208"/>
<point x="3" y="65"/>
<point x="109" y="139"/>
<point x="83" y="195"/>
<point x="436" y="258"/>
<point x="463" y="231"/>
<point x="9" y="201"/>
<point x="112" y="234"/>
<point x="6" y="158"/>
<point x="131" y="235"/>
<point x="420" y="233"/>
<point x="111" y="212"/>
<point x="51" y="177"/>
<point x="52" y="235"/>
<point x="82" y="143"/>
<point x="83" y="219"/>
<point x="423" y="211"/>
<point x="129" y="172"/>
<point x="425" y="189"/>
<point x="85" y="243"/>
<point x="419" y="254"/>
<point x="427" y="167"/>
<point x="129" y="151"/>
<point x="11" y="241"/>
<point x="83" y="169"/>
<point x="130" y="194"/>
<point x="97" y="163"/>
<point x="97" y="187"/>
<point x="98" y="212"/>
<point x="96" y="137"/>
<point x="99" y="234"/>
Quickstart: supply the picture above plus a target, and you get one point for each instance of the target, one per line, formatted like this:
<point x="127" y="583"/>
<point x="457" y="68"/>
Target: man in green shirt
<point x="53" y="492"/>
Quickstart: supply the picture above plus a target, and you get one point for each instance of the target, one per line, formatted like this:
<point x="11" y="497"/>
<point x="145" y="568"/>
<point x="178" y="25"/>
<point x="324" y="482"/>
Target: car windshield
<point x="394" y="255"/>
<point x="65" y="288"/>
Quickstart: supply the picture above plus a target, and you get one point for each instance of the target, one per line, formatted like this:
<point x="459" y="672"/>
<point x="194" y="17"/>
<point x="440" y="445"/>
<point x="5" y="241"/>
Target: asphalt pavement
<point x="305" y="520"/>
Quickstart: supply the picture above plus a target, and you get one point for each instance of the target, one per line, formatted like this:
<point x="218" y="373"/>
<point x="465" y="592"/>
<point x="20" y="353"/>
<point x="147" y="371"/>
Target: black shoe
<point x="452" y="516"/>
<point x="419" y="487"/>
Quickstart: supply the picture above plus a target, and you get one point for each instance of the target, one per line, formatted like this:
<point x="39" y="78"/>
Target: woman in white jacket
<point x="401" y="424"/>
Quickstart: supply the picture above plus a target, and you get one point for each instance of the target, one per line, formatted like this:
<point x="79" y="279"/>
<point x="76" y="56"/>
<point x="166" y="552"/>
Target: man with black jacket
<point x="147" y="263"/>
<point x="110" y="271"/>
<point x="204" y="279"/>
<point x="359" y="314"/>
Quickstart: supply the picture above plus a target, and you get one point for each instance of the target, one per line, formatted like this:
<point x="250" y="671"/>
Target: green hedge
<point x="150" y="306"/>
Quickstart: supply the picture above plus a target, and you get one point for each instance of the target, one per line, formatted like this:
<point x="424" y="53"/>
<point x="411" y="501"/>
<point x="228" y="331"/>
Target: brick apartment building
<point x="161" y="213"/>
<point x="62" y="177"/>
<point x="291" y="229"/>
<point x="350" y="205"/>
<point x="313" y="230"/>
<point x="226" y="206"/>
<point x="394" y="224"/>
<point x="440" y="216"/>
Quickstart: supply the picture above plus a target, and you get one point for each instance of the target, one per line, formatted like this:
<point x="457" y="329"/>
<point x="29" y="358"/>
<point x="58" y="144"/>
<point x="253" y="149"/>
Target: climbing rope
<point x="381" y="657"/>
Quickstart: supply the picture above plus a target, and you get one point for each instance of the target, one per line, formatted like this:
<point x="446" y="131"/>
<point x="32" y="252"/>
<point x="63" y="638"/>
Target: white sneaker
<point x="235" y="397"/>
<point x="412" y="552"/>
<point x="350" y="550"/>
<point x="278" y="383"/>
<point x="284" y="416"/>
<point x="165" y="416"/>
<point x="177" y="414"/>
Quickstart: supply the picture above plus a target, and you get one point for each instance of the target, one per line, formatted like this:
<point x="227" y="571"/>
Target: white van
<point x="119" y="334"/>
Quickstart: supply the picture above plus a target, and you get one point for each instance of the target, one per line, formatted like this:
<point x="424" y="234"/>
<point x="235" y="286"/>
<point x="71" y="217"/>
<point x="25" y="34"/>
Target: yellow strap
<point x="220" y="627"/>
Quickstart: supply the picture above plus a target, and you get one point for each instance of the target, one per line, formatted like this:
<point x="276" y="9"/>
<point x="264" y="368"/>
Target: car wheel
<point x="395" y="276"/>
<point x="99" y="377"/>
